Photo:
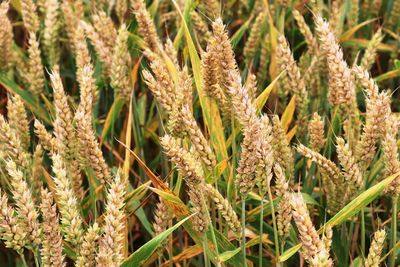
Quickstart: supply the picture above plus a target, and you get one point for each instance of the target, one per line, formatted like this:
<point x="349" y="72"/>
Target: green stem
<point x="260" y="247"/>
<point x="362" y="232"/>
<point x="36" y="256"/>
<point x="243" y="244"/>
<point x="276" y="238"/>
<point x="212" y="231"/>
<point x="392" y="259"/>
<point x="205" y="246"/>
<point x="21" y="254"/>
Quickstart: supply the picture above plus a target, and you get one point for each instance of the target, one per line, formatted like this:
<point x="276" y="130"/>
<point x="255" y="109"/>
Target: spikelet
<point x="25" y="206"/>
<point x="35" y="67"/>
<point x="88" y="89"/>
<point x="308" y="235"/>
<point x="200" y="26"/>
<point x="249" y="158"/>
<point x="283" y="154"/>
<point x="121" y="7"/>
<point x="71" y="18"/>
<point x="352" y="17"/>
<point x="71" y="220"/>
<point x="37" y="172"/>
<point x="91" y="148"/>
<point x="11" y="145"/>
<point x="316" y="132"/>
<point x="103" y="52"/>
<point x="327" y="237"/>
<point x="245" y="110"/>
<point x="341" y="86"/>
<point x="105" y="27"/>
<point x="162" y="85"/>
<point x="146" y="27"/>
<point x="162" y="218"/>
<point x="375" y="7"/>
<point x="88" y="249"/>
<point x="82" y="56"/>
<point x="334" y="16"/>
<point x="171" y="52"/>
<point x="29" y="16"/>
<point x="325" y="164"/>
<point x="284" y="215"/>
<point x="225" y="56"/>
<point x="52" y="246"/>
<point x="211" y="77"/>
<point x="200" y="219"/>
<point x="110" y="249"/>
<point x="11" y="229"/>
<point x="18" y="119"/>
<point x="212" y="8"/>
<point x="6" y="38"/>
<point x="63" y="129"/>
<point x="364" y="79"/>
<point x="197" y="138"/>
<point x="393" y="20"/>
<point x="264" y="156"/>
<point x="295" y="82"/>
<point x="378" y="109"/>
<point x="50" y="32"/>
<point x="251" y="85"/>
<point x="352" y="173"/>
<point x="264" y="58"/>
<point x="65" y="133"/>
<point x="225" y="208"/>
<point x="390" y="153"/>
<point x="120" y="66"/>
<point x="254" y="39"/>
<point x="305" y="30"/>
<point x="375" y="250"/>
<point x="189" y="167"/>
<point x="314" y="249"/>
<point x="370" y="53"/>
<point x="46" y="139"/>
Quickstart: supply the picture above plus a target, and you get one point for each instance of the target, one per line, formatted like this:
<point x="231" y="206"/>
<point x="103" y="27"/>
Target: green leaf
<point x="112" y="116"/>
<point x="144" y="252"/>
<point x="27" y="97"/>
<point x="263" y="97"/>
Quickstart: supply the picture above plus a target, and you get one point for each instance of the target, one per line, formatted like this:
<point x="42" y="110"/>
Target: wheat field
<point x="199" y="133"/>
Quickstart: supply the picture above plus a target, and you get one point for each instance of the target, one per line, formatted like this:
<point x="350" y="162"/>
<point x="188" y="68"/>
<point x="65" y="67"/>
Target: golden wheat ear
<point x="51" y="252"/>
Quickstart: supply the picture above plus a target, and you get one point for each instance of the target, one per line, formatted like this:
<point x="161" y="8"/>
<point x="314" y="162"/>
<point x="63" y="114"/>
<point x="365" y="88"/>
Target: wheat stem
<point x="243" y="243"/>
<point x="392" y="259"/>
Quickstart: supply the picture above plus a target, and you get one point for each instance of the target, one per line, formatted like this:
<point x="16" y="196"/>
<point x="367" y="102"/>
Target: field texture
<point x="199" y="133"/>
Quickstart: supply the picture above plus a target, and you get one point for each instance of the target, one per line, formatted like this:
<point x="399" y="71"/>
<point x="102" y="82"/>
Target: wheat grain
<point x="18" y="119"/>
<point x="35" y="67"/>
<point x="316" y="132"/>
<point x="120" y="66"/>
<point x="12" y="231"/>
<point x="52" y="246"/>
<point x="29" y="16"/>
<point x="375" y="249"/>
<point x="110" y="249"/>
<point x="6" y="37"/>
<point x="146" y="25"/>
<point x="88" y="249"/>
<point x="225" y="208"/>
<point x="25" y="206"/>
<point x="71" y="220"/>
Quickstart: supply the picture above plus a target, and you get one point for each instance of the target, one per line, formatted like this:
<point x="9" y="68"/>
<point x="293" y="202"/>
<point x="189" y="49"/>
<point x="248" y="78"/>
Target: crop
<point x="199" y="133"/>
